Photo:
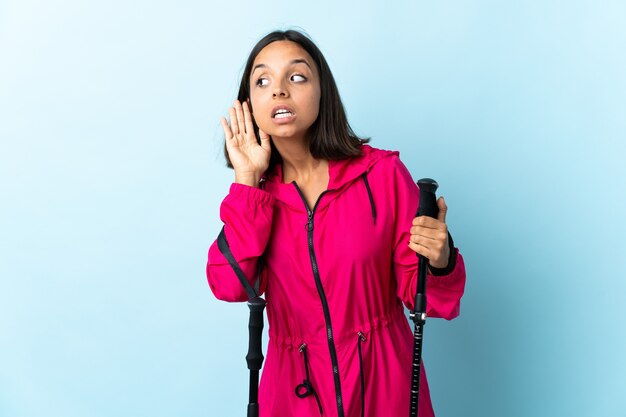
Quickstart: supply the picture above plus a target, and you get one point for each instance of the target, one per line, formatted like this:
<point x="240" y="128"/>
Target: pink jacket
<point x="335" y="278"/>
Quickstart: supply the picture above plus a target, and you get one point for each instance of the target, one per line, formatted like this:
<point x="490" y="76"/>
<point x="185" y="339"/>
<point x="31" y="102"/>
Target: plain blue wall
<point x="111" y="177"/>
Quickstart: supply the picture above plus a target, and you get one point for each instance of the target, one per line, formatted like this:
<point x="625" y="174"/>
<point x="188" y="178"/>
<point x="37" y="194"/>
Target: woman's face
<point x="284" y="90"/>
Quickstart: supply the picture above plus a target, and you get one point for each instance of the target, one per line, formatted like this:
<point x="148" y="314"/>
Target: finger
<point x="240" y="119"/>
<point x="443" y="209"/>
<point x="228" y="134"/>
<point x="434" y="252"/>
<point x="435" y="245"/>
<point x="434" y="234"/>
<point x="234" y="126"/>
<point x="422" y="250"/>
<point x="248" y="120"/>
<point x="428" y="222"/>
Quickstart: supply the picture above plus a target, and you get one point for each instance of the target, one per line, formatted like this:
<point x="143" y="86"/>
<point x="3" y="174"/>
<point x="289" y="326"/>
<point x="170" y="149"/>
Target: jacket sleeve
<point x="247" y="216"/>
<point x="443" y="293"/>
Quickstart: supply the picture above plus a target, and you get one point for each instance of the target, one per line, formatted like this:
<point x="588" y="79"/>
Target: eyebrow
<point x="292" y="62"/>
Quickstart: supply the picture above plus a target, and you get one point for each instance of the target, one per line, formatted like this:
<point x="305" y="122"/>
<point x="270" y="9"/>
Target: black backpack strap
<point x="223" y="246"/>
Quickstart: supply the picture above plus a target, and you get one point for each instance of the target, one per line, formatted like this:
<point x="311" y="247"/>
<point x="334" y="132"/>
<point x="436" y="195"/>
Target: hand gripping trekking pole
<point x="427" y="207"/>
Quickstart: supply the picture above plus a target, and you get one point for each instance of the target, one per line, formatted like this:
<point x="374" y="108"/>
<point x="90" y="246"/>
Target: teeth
<point x="282" y="114"/>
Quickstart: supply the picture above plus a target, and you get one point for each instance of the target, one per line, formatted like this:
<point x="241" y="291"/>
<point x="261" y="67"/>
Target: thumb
<point x="443" y="209"/>
<point x="265" y="140"/>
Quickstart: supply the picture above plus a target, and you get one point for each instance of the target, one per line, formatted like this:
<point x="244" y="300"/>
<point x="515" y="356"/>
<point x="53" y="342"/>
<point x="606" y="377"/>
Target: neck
<point x="298" y="163"/>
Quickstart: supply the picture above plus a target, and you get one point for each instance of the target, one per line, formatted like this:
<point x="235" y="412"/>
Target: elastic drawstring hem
<point x="361" y="338"/>
<point x="306" y="388"/>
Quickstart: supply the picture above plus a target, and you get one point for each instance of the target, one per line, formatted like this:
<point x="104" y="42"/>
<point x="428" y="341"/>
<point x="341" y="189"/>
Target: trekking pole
<point x="254" y="358"/>
<point x="256" y="304"/>
<point x="427" y="207"/>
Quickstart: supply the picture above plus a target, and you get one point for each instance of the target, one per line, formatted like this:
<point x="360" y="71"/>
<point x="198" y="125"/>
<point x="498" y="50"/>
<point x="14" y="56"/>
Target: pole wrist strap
<point x="224" y="247"/>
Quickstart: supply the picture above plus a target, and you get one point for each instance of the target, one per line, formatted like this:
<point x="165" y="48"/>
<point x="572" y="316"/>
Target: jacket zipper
<point x="322" y="294"/>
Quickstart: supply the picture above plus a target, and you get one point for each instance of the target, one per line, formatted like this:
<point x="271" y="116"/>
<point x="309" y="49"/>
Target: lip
<point x="283" y="120"/>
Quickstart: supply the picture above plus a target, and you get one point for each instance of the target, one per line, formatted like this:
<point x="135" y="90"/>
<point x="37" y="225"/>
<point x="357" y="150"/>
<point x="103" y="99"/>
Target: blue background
<point x="111" y="176"/>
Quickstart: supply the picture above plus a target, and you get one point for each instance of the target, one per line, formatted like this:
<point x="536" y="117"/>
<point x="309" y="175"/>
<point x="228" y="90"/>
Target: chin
<point x="284" y="132"/>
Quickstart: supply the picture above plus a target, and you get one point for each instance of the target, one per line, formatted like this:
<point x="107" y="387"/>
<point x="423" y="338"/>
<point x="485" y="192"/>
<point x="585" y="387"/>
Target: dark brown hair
<point x="330" y="136"/>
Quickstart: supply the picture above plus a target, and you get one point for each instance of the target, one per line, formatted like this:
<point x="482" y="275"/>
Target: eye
<point x="298" y="78"/>
<point x="261" y="82"/>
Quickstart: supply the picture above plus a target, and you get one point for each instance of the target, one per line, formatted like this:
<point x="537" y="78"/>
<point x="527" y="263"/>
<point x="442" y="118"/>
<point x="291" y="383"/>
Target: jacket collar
<point x="341" y="173"/>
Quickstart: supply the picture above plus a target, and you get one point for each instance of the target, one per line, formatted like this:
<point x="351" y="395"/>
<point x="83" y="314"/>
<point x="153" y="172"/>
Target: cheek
<point x="256" y="107"/>
<point x="258" y="112"/>
<point x="315" y="108"/>
<point x="256" y="98"/>
<point x="315" y="102"/>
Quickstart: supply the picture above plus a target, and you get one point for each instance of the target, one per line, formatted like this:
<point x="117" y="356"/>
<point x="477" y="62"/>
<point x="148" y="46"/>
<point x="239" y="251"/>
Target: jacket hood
<point x="341" y="172"/>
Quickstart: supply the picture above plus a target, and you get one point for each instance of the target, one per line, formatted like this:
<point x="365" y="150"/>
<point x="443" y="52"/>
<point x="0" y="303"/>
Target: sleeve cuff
<point x="255" y="194"/>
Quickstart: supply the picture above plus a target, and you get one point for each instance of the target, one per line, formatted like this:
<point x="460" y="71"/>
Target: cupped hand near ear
<point x="249" y="159"/>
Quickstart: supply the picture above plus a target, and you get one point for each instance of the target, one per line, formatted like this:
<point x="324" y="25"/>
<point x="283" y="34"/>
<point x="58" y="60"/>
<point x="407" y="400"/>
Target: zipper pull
<point x="309" y="224"/>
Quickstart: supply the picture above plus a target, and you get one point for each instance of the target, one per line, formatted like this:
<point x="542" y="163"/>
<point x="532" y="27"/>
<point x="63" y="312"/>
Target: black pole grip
<point x="427" y="207"/>
<point x="254" y="358"/>
<point x="253" y="410"/>
<point x="428" y="199"/>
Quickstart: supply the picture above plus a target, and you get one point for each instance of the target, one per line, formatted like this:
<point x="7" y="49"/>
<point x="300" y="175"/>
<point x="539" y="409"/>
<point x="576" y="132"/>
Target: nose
<point x="280" y="90"/>
<point x="280" y="93"/>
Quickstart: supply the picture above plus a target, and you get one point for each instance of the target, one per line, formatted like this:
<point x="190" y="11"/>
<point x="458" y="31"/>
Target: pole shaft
<point x="427" y="207"/>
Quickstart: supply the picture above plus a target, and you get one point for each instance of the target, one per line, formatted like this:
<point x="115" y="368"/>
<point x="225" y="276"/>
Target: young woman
<point x="332" y="221"/>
